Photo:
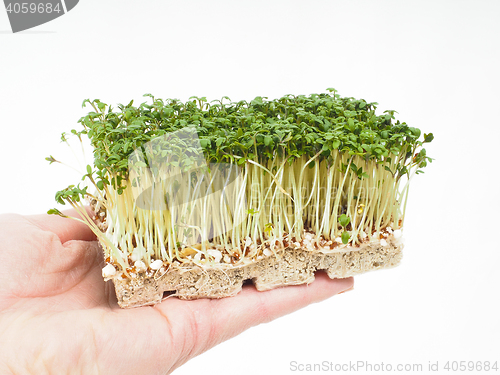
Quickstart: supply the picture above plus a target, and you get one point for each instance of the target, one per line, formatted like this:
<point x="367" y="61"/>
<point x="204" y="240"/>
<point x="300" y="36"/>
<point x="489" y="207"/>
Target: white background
<point x="435" y="62"/>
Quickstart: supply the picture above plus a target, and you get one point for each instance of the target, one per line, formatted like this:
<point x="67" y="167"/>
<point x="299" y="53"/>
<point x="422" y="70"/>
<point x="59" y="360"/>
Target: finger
<point x="254" y="307"/>
<point x="218" y="320"/>
<point x="36" y="264"/>
<point x="65" y="228"/>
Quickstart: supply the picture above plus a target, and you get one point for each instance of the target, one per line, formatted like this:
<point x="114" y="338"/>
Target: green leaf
<point x="354" y="168"/>
<point x="415" y="132"/>
<point x="350" y="124"/>
<point x="267" y="140"/>
<point x="219" y="141"/>
<point x="55" y="211"/>
<point x="268" y="228"/>
<point x="344" y="220"/>
<point x="345" y="237"/>
<point x="204" y="143"/>
<point x="51" y="159"/>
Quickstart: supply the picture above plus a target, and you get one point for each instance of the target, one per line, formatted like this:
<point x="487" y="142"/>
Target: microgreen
<point x="305" y="163"/>
<point x="345" y="237"/>
<point x="51" y="159"/>
<point x="344" y="221"/>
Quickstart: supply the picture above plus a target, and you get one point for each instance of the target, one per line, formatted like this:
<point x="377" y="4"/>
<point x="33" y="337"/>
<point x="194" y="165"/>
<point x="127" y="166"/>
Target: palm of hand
<point x="57" y="315"/>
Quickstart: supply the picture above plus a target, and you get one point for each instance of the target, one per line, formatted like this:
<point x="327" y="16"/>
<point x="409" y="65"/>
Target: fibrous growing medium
<point x="192" y="198"/>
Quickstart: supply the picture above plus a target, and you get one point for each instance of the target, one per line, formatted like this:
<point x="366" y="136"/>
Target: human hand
<point x="58" y="316"/>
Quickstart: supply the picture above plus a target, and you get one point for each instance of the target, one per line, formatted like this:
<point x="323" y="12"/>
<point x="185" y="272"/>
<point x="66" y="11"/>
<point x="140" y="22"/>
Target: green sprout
<point x="304" y="163"/>
<point x="344" y="221"/>
<point x="268" y="228"/>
